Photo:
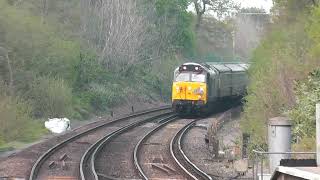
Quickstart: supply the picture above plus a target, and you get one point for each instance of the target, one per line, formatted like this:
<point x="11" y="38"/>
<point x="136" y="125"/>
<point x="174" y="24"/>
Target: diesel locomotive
<point x="199" y="86"/>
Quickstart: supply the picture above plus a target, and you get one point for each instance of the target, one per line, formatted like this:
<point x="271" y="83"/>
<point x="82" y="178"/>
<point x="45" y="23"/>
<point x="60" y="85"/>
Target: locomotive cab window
<point x="182" y="77"/>
<point x="198" y="77"/>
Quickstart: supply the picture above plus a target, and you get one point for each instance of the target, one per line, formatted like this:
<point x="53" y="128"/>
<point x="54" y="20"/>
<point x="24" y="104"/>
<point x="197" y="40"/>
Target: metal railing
<point x="262" y="155"/>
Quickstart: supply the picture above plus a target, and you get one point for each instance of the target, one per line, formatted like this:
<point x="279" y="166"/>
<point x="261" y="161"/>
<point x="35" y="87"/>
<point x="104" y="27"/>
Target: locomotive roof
<point x="222" y="67"/>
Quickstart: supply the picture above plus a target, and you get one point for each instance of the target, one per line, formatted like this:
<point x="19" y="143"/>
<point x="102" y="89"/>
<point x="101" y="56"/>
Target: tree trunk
<point x="199" y="11"/>
<point x="10" y="75"/>
<point x="44" y="10"/>
<point x="199" y="20"/>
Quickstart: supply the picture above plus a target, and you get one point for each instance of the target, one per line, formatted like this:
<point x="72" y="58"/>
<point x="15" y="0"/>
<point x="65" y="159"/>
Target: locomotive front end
<point x="189" y="89"/>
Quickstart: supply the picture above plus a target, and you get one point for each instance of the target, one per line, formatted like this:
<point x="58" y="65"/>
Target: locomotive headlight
<point x="199" y="91"/>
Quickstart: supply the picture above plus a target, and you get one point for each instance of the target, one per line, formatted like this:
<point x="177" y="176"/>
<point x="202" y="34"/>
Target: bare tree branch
<point x="219" y="7"/>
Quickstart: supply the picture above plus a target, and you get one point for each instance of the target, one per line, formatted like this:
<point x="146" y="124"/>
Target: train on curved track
<point x="197" y="87"/>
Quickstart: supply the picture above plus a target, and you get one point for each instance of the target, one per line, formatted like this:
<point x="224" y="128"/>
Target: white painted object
<point x="58" y="125"/>
<point x="222" y="153"/>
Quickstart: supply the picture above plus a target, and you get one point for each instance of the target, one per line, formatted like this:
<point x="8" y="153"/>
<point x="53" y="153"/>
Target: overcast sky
<point x="265" y="4"/>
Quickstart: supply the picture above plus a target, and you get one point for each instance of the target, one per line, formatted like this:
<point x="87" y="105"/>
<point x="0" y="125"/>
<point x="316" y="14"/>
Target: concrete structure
<point x="279" y="140"/>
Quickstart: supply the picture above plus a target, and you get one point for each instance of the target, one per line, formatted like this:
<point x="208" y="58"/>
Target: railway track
<point x="181" y="150"/>
<point x="88" y="165"/>
<point x="63" y="159"/>
<point x="145" y="145"/>
<point x="180" y="157"/>
<point x="152" y="157"/>
<point x="139" y="145"/>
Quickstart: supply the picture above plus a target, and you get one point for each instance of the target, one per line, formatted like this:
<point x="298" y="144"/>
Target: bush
<point x="276" y="65"/>
<point x="102" y="96"/>
<point x="51" y="98"/>
<point x="281" y="60"/>
<point x="16" y="122"/>
<point x="303" y="113"/>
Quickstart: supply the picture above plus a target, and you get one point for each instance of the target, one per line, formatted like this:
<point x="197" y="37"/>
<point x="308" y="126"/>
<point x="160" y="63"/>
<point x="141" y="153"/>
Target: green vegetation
<point x="281" y="83"/>
<point x="308" y="94"/>
<point x="78" y="57"/>
<point x="16" y="121"/>
<point x="67" y="59"/>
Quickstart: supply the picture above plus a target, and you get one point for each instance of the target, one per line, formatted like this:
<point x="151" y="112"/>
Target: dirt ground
<point x="154" y="153"/>
<point x="18" y="163"/>
<point x="198" y="151"/>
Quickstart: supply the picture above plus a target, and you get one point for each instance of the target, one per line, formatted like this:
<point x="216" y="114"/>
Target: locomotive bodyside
<point x="197" y="86"/>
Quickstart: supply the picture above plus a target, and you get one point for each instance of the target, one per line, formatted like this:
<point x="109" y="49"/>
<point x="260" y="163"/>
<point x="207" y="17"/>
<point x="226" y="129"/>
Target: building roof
<point x="300" y="172"/>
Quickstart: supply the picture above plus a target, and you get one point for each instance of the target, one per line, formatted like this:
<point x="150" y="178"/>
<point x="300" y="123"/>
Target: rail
<point x="90" y="155"/>
<point x="196" y="169"/>
<point x="176" y="139"/>
<point x="37" y="165"/>
<point x="142" y="140"/>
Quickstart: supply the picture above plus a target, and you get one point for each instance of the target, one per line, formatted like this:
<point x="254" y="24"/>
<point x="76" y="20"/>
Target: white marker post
<point x="318" y="132"/>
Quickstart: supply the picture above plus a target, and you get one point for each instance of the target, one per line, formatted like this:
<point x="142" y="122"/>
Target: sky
<point x="265" y="4"/>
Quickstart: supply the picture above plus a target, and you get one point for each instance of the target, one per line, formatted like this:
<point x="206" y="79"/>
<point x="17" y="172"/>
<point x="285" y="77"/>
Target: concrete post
<point x="279" y="140"/>
<point x="318" y="132"/>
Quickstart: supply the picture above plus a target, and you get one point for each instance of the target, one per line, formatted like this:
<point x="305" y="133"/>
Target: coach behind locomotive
<point x="197" y="87"/>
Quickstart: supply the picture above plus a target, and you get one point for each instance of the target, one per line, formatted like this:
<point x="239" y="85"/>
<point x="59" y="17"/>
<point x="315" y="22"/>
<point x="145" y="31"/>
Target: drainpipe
<point x="318" y="133"/>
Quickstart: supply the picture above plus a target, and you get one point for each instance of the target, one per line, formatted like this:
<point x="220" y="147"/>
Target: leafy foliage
<point x="280" y="81"/>
<point x="174" y="24"/>
<point x="16" y="121"/>
<point x="57" y="73"/>
<point x="51" y="98"/>
<point x="303" y="114"/>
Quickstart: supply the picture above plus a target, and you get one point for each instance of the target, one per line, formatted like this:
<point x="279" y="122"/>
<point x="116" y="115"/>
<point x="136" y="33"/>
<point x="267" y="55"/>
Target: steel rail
<point x="173" y="140"/>
<point x="185" y="157"/>
<point x="143" y="139"/>
<point x="91" y="153"/>
<point x="177" y="139"/>
<point x="37" y="165"/>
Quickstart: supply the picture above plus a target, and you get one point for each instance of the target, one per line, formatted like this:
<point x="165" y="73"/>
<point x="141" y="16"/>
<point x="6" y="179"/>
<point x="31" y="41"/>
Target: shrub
<point x="16" y="122"/>
<point x="276" y="64"/>
<point x="303" y="113"/>
<point x="51" y="97"/>
<point x="102" y="96"/>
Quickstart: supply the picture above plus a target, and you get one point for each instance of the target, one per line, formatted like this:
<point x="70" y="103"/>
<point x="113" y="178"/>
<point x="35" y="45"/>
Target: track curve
<point x="40" y="161"/>
<point x="88" y="165"/>
<point x="180" y="157"/>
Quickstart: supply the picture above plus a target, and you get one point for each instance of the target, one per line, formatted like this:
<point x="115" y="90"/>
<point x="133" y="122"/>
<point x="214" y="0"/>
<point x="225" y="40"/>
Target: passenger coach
<point x="196" y="87"/>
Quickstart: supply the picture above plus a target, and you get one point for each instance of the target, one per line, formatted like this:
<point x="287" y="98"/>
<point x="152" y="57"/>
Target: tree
<point x="174" y="25"/>
<point x="287" y="11"/>
<point x="219" y="7"/>
<point x="252" y="10"/>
